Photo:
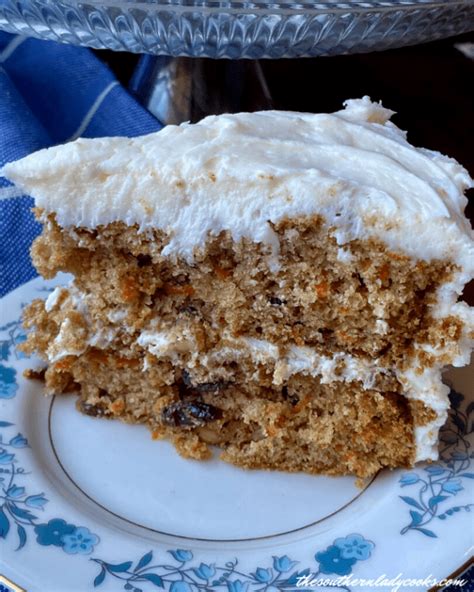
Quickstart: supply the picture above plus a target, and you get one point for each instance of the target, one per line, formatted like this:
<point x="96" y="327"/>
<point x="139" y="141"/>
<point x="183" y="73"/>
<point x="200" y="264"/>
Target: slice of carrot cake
<point x="281" y="285"/>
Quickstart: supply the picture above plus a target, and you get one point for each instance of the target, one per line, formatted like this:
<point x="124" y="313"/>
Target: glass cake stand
<point x="238" y="29"/>
<point x="177" y="89"/>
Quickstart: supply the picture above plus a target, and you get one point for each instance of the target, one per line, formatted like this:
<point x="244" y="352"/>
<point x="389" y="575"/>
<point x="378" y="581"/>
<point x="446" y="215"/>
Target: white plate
<point x="88" y="503"/>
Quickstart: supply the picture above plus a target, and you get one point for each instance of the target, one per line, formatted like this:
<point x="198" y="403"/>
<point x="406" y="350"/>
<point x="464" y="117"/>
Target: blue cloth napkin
<point x="49" y="94"/>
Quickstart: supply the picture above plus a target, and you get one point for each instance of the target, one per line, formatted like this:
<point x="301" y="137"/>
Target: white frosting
<point x="427" y="387"/>
<point x="297" y="360"/>
<point x="305" y="360"/>
<point x="73" y="341"/>
<point x="63" y="344"/>
<point x="53" y="299"/>
<point x="241" y="172"/>
<point x="117" y="315"/>
<point x="344" y="255"/>
<point x="163" y="344"/>
<point x="381" y="327"/>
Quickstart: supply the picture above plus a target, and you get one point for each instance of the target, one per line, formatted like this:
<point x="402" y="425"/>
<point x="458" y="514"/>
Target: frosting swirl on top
<point x="240" y="172"/>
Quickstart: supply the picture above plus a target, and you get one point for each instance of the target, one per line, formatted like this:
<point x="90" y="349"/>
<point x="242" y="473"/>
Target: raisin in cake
<point x="284" y="286"/>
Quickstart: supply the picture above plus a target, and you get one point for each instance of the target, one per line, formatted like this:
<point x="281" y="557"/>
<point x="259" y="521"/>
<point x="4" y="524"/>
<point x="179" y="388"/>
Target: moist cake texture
<point x="283" y="286"/>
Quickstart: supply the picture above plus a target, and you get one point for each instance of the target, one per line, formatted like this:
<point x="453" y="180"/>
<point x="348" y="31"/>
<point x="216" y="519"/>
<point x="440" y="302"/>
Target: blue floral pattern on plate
<point x="338" y="560"/>
<point x="13" y="335"/>
<point x="17" y="505"/>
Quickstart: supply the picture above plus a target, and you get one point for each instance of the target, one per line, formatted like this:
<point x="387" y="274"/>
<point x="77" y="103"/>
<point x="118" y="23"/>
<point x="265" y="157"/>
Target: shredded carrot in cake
<point x="130" y="291"/>
<point x="179" y="290"/>
<point x="322" y="289"/>
<point x="222" y="273"/>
